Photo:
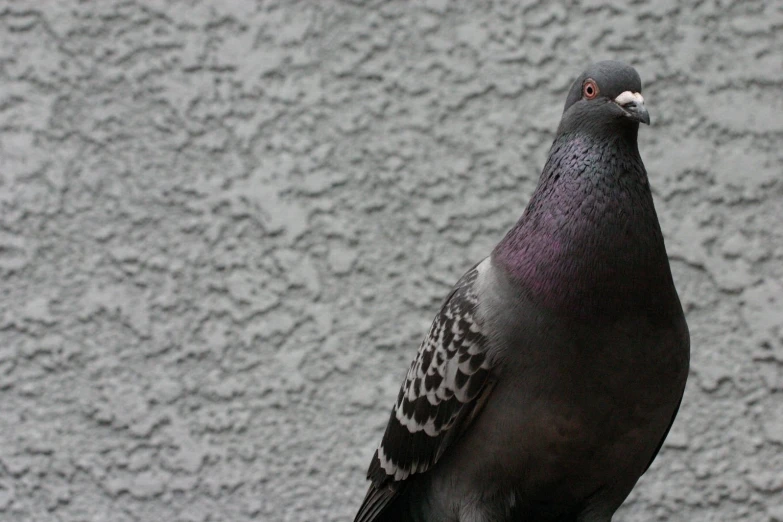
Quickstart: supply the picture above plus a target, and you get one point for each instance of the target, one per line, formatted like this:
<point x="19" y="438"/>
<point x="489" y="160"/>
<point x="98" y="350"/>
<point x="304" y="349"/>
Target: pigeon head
<point x="606" y="98"/>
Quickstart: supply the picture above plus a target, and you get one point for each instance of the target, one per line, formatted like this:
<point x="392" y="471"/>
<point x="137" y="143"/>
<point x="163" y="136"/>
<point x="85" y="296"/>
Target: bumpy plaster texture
<point x="225" y="227"/>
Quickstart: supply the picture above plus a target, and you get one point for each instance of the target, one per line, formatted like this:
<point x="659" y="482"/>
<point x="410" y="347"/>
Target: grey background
<point x="225" y="227"/>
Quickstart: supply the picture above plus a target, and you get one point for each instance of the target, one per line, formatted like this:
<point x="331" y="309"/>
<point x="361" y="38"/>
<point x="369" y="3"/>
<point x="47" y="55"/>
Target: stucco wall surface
<point x="226" y="226"/>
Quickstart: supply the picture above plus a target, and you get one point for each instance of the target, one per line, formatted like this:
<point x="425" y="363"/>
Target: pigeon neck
<point x="589" y="241"/>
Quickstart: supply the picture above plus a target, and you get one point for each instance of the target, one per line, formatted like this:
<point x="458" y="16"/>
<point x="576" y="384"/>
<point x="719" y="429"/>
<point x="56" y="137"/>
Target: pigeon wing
<point x="443" y="391"/>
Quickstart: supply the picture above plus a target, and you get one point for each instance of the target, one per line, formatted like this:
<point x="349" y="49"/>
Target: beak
<point x="632" y="104"/>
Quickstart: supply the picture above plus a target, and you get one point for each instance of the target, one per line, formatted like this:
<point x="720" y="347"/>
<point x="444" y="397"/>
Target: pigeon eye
<point x="590" y="89"/>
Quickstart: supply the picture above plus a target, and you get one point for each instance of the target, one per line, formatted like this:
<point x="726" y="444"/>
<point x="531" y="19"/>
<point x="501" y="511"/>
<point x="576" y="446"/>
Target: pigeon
<point x="554" y="369"/>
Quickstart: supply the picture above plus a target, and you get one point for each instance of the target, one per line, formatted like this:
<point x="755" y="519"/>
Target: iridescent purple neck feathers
<point x="589" y="241"/>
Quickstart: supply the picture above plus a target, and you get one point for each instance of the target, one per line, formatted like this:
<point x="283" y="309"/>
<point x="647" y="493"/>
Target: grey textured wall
<point x="225" y="227"/>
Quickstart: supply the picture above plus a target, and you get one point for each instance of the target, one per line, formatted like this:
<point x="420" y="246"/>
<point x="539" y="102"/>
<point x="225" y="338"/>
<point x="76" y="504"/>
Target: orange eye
<point x="590" y="89"/>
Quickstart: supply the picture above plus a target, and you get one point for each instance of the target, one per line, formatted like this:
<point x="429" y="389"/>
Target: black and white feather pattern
<point x="440" y="390"/>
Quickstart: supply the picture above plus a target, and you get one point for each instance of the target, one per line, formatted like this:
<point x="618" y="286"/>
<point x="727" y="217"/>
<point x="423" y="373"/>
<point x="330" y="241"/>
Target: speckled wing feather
<point x="440" y="393"/>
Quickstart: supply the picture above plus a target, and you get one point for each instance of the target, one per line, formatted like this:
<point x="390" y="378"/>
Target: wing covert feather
<point x="440" y="393"/>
